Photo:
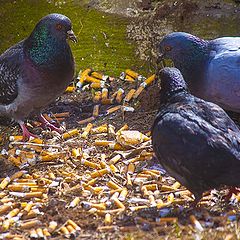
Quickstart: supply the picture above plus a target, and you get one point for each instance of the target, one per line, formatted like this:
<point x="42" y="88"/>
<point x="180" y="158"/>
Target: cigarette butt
<point x="15" y="160"/>
<point x="129" y="79"/>
<point x="149" y="80"/>
<point x="102" y="143"/>
<point x="112" y="212"/>
<point x="90" y="164"/>
<point x="32" y="195"/>
<point x="111" y="228"/>
<point x="166" y="188"/>
<point x="52" y="226"/>
<point x="119" y="96"/>
<point x="129" y="95"/>
<point x="116" y="146"/>
<point x="131" y="73"/>
<point x="151" y="187"/>
<point x="49" y="157"/>
<point x="123" y="194"/>
<point x="15" y="138"/>
<point x="115" y="159"/>
<point x="88" y="205"/>
<point x="87" y="130"/>
<point x="104" y="94"/>
<point x="138" y="208"/>
<point x="101" y="129"/>
<point x="131" y="168"/>
<point x="97" y="85"/>
<point x="5" y="208"/>
<point x="18" y="188"/>
<point x="70" y="133"/>
<point x="138" y="92"/>
<point x="123" y="128"/>
<point x="152" y="201"/>
<point x="76" y="152"/>
<point x="46" y="233"/>
<point x="30" y="224"/>
<point x="17" y="175"/>
<point x="96" y="110"/>
<point x="4" y="183"/>
<point x="154" y="175"/>
<point x="70" y="89"/>
<point x="99" y="173"/>
<point x="92" y="79"/>
<point x="144" y="191"/>
<point x="73" y="224"/>
<point x="118" y="203"/>
<point x="74" y="202"/>
<point x="129" y="181"/>
<point x="113" y="185"/>
<point x="87" y="120"/>
<point x="103" y="164"/>
<point x="27" y="208"/>
<point x="91" y="182"/>
<point x="97" y="75"/>
<point x="113" y="168"/>
<point x="33" y="233"/>
<point x="111" y="130"/>
<point x="6" y="224"/>
<point x="108" y="219"/>
<point x="176" y="185"/>
<point x="82" y="76"/>
<point x="196" y="223"/>
<point x="107" y="101"/>
<point x="64" y="230"/>
<point x="40" y="233"/>
<point x="62" y="115"/>
<point x="113" y="109"/>
<point x="97" y="97"/>
<point x="70" y="229"/>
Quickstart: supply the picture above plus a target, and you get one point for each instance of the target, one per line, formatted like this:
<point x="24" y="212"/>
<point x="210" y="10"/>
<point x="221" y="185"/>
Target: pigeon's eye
<point x="167" y="48"/>
<point x="59" y="26"/>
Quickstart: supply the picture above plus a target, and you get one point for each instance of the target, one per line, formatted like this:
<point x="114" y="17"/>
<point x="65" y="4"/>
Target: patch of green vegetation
<point x="102" y="39"/>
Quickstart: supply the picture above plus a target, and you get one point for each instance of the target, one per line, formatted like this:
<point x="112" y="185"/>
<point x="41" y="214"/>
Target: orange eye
<point x="168" y="48"/>
<point x="59" y="26"/>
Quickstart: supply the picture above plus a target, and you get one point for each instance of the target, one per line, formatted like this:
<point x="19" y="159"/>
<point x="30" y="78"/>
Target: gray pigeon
<point x="37" y="70"/>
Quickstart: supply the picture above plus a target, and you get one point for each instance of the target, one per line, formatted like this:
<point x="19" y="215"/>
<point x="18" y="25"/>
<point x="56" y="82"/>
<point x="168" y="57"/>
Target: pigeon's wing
<point x="191" y="147"/>
<point x="10" y="65"/>
<point x="223" y="72"/>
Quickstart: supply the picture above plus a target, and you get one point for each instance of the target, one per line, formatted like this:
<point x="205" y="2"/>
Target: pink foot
<point x="47" y="124"/>
<point x="26" y="133"/>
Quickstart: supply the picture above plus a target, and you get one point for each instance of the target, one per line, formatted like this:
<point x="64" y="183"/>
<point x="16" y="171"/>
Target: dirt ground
<point x="220" y="220"/>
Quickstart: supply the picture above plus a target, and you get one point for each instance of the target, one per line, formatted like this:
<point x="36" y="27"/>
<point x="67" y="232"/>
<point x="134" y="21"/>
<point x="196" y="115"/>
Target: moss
<point x="102" y="37"/>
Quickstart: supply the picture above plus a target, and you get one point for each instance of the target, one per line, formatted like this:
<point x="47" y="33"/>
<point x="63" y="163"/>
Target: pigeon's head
<point x="172" y="82"/>
<point x="56" y="25"/>
<point x="180" y="46"/>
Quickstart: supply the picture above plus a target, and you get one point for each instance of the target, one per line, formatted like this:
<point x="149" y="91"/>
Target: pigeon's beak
<point x="160" y="59"/>
<point x="71" y="36"/>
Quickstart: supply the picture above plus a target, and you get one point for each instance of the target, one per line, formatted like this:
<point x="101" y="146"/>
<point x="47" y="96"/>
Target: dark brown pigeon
<point x="194" y="140"/>
<point x="37" y="70"/>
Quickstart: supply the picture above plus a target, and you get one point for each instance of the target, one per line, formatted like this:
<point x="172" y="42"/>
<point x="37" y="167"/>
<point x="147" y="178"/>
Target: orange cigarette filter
<point x="90" y="164"/>
<point x="52" y="226"/>
<point x="70" y="89"/>
<point x="96" y="110"/>
<point x="82" y="76"/>
<point x="123" y="194"/>
<point x="113" y="185"/>
<point x="115" y="159"/>
<point x="97" y="85"/>
<point x="149" y="80"/>
<point x="92" y="79"/>
<point x="97" y="75"/>
<point x="46" y="233"/>
<point x="64" y="230"/>
<point x="70" y="229"/>
<point x="70" y="133"/>
<point x="131" y="73"/>
<point x="119" y="96"/>
<point x="101" y="129"/>
<point x="97" y="96"/>
<point x="138" y="92"/>
<point x="40" y="232"/>
<point x="74" y="202"/>
<point x="73" y="224"/>
<point x="107" y="101"/>
<point x="108" y="219"/>
<point x="15" y="160"/>
<point x="129" y="95"/>
<point x="113" y="109"/>
<point x="15" y="138"/>
<point x="17" y="175"/>
<point x="131" y="168"/>
<point x="87" y="130"/>
<point x="99" y="173"/>
<point x="129" y="79"/>
<point x="87" y="120"/>
<point x="4" y="183"/>
<point x="103" y="143"/>
<point x="30" y="224"/>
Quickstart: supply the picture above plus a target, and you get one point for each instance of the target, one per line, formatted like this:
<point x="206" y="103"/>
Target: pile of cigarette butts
<point x="100" y="86"/>
<point x="96" y="169"/>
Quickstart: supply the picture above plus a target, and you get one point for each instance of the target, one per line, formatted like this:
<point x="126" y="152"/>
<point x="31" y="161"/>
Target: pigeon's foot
<point x="26" y="133"/>
<point x="232" y="190"/>
<point x="47" y="124"/>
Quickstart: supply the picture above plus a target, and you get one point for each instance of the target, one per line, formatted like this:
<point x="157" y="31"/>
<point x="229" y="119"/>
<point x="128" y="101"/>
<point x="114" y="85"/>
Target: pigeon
<point x="210" y="68"/>
<point x="37" y="70"/>
<point x="195" y="141"/>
